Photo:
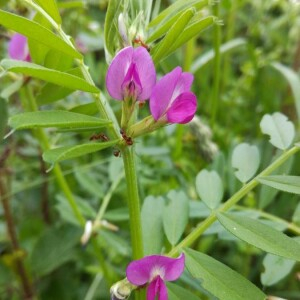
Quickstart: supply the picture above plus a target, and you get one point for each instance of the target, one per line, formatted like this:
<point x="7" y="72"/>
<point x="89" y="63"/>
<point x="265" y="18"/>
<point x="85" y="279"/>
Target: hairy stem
<point x="204" y="225"/>
<point x="134" y="207"/>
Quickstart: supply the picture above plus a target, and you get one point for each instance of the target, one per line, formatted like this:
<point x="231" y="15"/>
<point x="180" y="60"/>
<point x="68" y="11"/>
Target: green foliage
<point x="152" y="225"/>
<point x="59" y="78"/>
<point x="279" y="128"/>
<point x="245" y="159"/>
<point x="3" y="117"/>
<point x="220" y="280"/>
<point x="36" y="32"/>
<point x="175" y="216"/>
<point x="57" y="119"/>
<point x="260" y="235"/>
<point x="62" y="153"/>
<point x="210" y="188"/>
<point x="289" y="184"/>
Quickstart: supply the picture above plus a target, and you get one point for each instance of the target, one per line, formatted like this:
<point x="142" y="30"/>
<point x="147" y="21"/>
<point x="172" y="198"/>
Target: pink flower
<point x="154" y="270"/>
<point x="171" y="99"/>
<point x="131" y="74"/>
<point x="18" y="48"/>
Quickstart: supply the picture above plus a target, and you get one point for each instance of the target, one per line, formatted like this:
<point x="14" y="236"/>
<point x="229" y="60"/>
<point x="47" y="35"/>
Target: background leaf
<point x="276" y="268"/>
<point x="220" y="280"/>
<point x="152" y="224"/>
<point x="245" y="159"/>
<point x="175" y="215"/>
<point x="176" y="292"/>
<point x="3" y="118"/>
<point x="279" y="128"/>
<point x="260" y="235"/>
<point x="210" y="188"/>
<point x="294" y="81"/>
<point x="57" y="246"/>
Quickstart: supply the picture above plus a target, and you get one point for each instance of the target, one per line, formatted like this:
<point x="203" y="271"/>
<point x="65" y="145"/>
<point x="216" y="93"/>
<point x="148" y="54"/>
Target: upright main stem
<point x="133" y="202"/>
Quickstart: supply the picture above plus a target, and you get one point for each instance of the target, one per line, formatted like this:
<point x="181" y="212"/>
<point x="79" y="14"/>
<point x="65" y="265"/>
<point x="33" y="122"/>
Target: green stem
<point x="107" y="198"/>
<point x="134" y="208"/>
<point x="133" y="202"/>
<point x="196" y="233"/>
<point x="217" y="67"/>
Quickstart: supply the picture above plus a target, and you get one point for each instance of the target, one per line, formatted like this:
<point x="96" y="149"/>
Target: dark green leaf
<point x="260" y="235"/>
<point x="69" y="152"/>
<point x="60" y="78"/>
<point x="51" y="92"/>
<point x="172" y="34"/>
<point x="220" y="280"/>
<point x="177" y="8"/>
<point x="36" y="32"/>
<point x="55" y="118"/>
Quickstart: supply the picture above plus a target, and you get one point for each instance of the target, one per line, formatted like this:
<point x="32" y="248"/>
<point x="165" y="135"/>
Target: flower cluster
<point x="131" y="78"/>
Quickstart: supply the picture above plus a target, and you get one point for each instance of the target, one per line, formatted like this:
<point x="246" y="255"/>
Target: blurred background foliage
<point x="258" y="34"/>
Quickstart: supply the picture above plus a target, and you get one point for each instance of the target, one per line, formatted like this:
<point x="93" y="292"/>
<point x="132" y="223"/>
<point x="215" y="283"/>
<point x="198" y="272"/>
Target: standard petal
<point x="182" y="109"/>
<point x="146" y="71"/>
<point x="139" y="271"/>
<point x="18" y="47"/>
<point x="117" y="71"/>
<point x="183" y="85"/>
<point x="162" y="93"/>
<point x="173" y="267"/>
<point x="157" y="287"/>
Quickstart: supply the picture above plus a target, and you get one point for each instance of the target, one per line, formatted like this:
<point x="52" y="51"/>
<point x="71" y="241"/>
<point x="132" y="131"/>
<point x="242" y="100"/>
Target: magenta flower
<point x="131" y="74"/>
<point x="18" y="47"/>
<point x="154" y="270"/>
<point x="171" y="99"/>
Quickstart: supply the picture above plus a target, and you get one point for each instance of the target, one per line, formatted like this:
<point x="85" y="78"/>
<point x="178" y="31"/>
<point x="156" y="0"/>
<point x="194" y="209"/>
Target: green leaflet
<point x="63" y="153"/>
<point x="57" y="77"/>
<point x="260" y="235"/>
<point x="220" y="280"/>
<point x="172" y="34"/>
<point x="178" y="6"/>
<point x="290" y="184"/>
<point x="55" y="118"/>
<point x="51" y="8"/>
<point x="36" y="32"/>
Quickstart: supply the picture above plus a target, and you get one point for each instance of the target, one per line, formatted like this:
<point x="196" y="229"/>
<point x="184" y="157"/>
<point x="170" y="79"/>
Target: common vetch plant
<point x="127" y="203"/>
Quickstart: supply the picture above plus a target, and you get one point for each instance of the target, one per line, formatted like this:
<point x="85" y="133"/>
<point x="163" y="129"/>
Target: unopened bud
<point x="123" y="30"/>
<point x="121" y="290"/>
<point x="88" y="230"/>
